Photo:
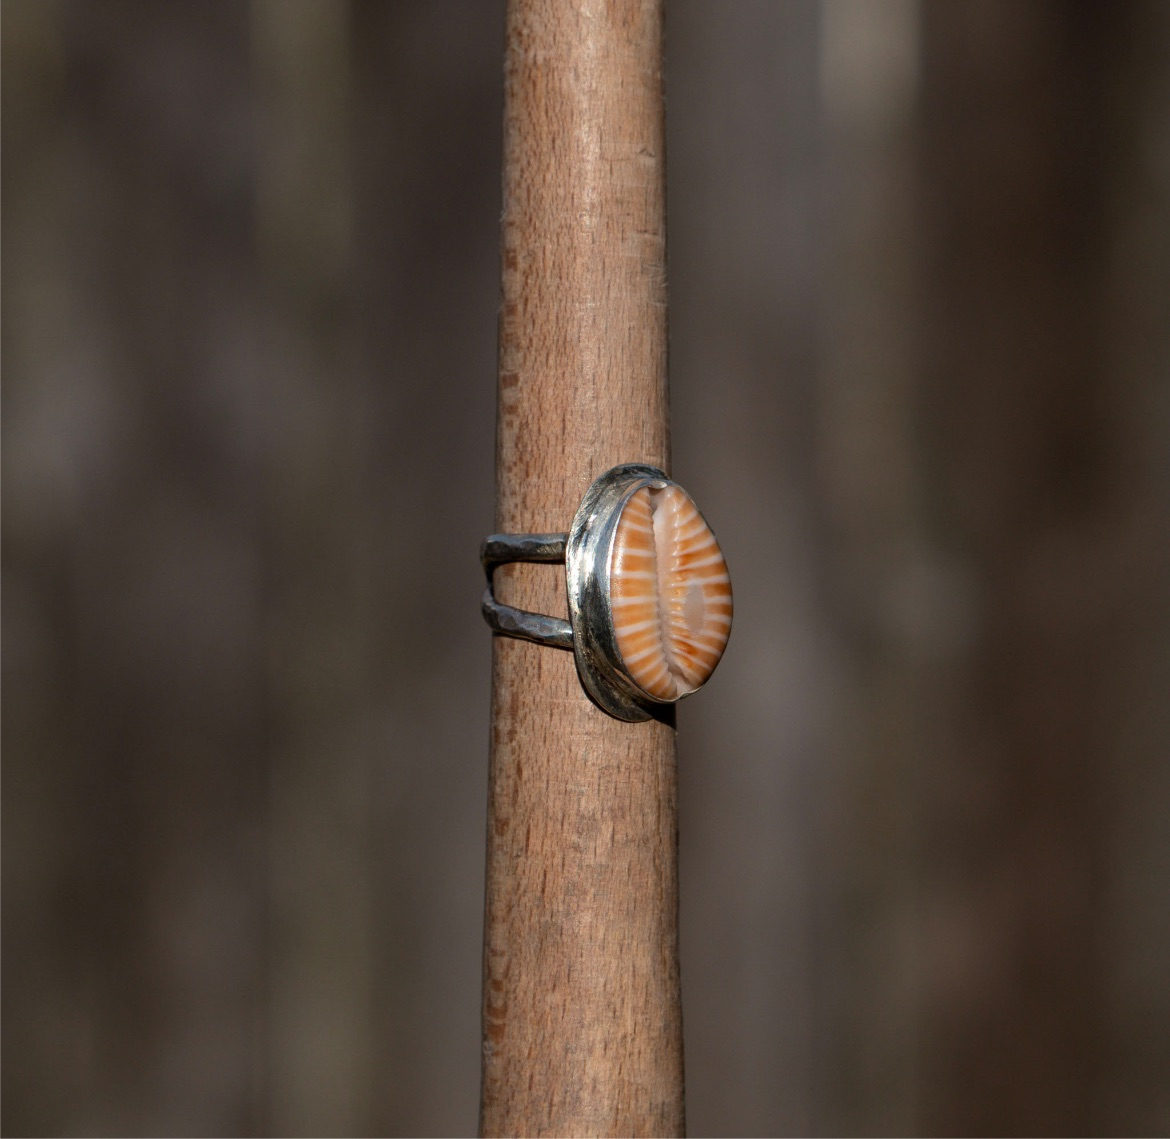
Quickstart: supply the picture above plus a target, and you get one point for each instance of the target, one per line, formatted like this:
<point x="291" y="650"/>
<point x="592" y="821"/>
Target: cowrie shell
<point x="649" y="594"/>
<point x="670" y="593"/>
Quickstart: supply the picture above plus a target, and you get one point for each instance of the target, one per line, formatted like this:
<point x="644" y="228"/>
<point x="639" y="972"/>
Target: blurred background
<point x="920" y="312"/>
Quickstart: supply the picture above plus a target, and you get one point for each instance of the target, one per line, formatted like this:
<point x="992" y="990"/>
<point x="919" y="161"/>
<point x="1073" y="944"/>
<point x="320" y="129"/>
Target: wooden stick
<point x="581" y="1013"/>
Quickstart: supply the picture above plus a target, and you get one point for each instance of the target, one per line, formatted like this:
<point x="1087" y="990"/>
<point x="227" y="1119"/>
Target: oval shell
<point x="670" y="593"/>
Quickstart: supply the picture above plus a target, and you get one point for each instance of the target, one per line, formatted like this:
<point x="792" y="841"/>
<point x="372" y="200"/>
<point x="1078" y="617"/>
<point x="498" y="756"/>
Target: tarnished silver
<point x="586" y="551"/>
<point x="499" y="549"/>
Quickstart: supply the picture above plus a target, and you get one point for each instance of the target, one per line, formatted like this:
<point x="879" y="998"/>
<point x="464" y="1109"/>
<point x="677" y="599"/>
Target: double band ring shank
<point x="498" y="550"/>
<point x="648" y="591"/>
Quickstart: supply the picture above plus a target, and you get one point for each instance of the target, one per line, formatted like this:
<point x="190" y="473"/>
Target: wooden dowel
<point x="581" y="1014"/>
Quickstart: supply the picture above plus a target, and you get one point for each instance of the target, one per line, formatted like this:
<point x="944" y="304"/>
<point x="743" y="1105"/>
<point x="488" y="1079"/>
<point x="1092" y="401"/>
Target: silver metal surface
<point x="586" y="551"/>
<point x="499" y="549"/>
<point x="587" y="563"/>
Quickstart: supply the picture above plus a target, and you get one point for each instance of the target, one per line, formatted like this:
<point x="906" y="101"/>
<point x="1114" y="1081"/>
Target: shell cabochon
<point x="670" y="593"/>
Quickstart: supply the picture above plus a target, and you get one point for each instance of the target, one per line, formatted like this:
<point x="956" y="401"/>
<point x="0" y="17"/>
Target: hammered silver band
<point x="498" y="550"/>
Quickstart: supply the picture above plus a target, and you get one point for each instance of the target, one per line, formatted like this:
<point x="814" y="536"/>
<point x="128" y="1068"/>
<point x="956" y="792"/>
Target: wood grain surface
<point x="581" y="1016"/>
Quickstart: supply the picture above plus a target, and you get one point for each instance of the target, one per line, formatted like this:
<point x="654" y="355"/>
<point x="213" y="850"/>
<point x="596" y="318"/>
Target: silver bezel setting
<point x="588" y="557"/>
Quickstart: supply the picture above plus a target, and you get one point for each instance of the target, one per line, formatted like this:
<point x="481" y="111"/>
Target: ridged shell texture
<point x="670" y="593"/>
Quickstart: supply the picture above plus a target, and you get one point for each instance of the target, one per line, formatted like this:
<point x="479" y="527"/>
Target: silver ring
<point x="650" y="602"/>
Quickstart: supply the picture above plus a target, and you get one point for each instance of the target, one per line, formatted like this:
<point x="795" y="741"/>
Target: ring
<point x="649" y="593"/>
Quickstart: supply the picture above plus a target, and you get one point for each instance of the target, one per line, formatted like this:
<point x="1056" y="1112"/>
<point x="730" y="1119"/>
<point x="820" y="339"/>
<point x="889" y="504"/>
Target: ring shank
<point x="500" y="549"/>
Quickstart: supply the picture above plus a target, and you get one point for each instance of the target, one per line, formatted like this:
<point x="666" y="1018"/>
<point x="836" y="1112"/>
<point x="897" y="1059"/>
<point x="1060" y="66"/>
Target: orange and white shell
<point x="670" y="593"/>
